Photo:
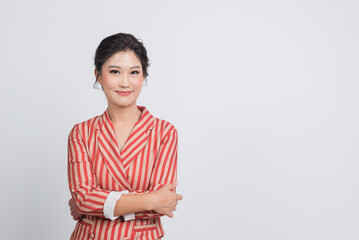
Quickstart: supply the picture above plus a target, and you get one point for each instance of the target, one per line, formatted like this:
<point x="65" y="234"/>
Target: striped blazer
<point x="147" y="162"/>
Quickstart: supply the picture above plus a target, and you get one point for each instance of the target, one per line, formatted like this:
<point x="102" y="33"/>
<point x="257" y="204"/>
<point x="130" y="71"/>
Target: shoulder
<point x="165" y="128"/>
<point x="85" y="126"/>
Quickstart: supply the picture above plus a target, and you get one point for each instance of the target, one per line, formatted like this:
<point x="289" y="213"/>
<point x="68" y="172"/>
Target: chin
<point x="124" y="104"/>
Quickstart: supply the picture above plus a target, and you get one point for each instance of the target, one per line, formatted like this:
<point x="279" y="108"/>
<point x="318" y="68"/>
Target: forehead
<point x="123" y="59"/>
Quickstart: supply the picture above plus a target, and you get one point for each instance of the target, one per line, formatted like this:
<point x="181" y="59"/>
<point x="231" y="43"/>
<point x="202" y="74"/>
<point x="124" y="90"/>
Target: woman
<point x="122" y="165"/>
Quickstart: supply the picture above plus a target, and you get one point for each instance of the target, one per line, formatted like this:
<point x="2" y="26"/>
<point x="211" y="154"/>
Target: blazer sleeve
<point x="88" y="196"/>
<point x="164" y="171"/>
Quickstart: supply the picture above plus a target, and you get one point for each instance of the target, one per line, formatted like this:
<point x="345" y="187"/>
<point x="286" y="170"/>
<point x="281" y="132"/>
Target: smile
<point x="124" y="93"/>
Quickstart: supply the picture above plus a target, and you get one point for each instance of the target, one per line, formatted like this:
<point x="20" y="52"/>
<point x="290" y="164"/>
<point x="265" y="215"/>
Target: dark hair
<point x="117" y="43"/>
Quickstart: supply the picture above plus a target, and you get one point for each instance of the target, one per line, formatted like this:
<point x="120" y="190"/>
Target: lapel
<point x="118" y="162"/>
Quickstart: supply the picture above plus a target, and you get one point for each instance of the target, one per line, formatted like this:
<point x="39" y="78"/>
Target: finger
<point x="73" y="210"/>
<point x="170" y="214"/>
<point x="74" y="213"/>
<point x="76" y="216"/>
<point x="179" y="197"/>
<point x="171" y="186"/>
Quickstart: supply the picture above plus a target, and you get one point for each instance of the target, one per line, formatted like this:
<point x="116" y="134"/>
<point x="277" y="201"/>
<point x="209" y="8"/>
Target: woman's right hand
<point x="164" y="201"/>
<point x="74" y="212"/>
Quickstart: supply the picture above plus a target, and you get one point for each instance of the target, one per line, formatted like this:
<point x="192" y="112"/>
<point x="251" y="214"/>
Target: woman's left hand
<point x="74" y="213"/>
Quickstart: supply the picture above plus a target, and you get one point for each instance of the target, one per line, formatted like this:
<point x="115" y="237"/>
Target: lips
<point x="124" y="93"/>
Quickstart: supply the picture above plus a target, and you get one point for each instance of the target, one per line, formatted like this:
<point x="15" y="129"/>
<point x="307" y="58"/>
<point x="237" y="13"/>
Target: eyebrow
<point x="114" y="66"/>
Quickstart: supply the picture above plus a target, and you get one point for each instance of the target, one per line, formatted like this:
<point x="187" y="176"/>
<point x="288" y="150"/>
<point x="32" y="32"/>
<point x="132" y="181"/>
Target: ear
<point x="98" y="76"/>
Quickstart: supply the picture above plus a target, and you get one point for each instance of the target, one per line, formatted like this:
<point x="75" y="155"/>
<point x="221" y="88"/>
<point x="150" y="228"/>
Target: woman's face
<point x="121" y="78"/>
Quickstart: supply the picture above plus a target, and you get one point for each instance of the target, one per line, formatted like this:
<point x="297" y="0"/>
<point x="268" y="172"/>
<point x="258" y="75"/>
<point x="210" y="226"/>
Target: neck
<point x="123" y="115"/>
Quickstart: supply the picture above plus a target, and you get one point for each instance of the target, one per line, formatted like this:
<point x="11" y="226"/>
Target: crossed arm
<point x="88" y="198"/>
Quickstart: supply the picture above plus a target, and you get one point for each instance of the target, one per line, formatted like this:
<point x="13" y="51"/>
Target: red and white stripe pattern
<point x="147" y="162"/>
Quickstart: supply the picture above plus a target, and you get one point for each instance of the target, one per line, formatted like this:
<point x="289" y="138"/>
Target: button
<point x="91" y="235"/>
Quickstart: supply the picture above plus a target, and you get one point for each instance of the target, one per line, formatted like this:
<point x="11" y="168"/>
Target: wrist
<point x="149" y="202"/>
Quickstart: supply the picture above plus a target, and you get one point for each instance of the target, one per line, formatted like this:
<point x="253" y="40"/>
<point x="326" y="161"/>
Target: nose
<point x="124" y="80"/>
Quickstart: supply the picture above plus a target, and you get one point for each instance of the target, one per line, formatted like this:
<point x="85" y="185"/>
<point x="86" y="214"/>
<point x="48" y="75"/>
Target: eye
<point x="114" y="72"/>
<point x="135" y="72"/>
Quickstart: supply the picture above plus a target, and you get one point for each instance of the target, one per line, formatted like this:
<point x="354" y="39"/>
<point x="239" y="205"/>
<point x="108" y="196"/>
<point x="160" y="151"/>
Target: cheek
<point x="138" y="89"/>
<point x="108" y="82"/>
<point x="138" y="84"/>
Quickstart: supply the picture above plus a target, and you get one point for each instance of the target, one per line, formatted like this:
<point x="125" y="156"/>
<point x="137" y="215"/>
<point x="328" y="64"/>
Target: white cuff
<point x="110" y="203"/>
<point x="129" y="216"/>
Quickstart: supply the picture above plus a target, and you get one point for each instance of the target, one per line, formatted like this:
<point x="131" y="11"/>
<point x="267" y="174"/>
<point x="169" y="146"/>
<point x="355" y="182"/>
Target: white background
<point x="264" y="95"/>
